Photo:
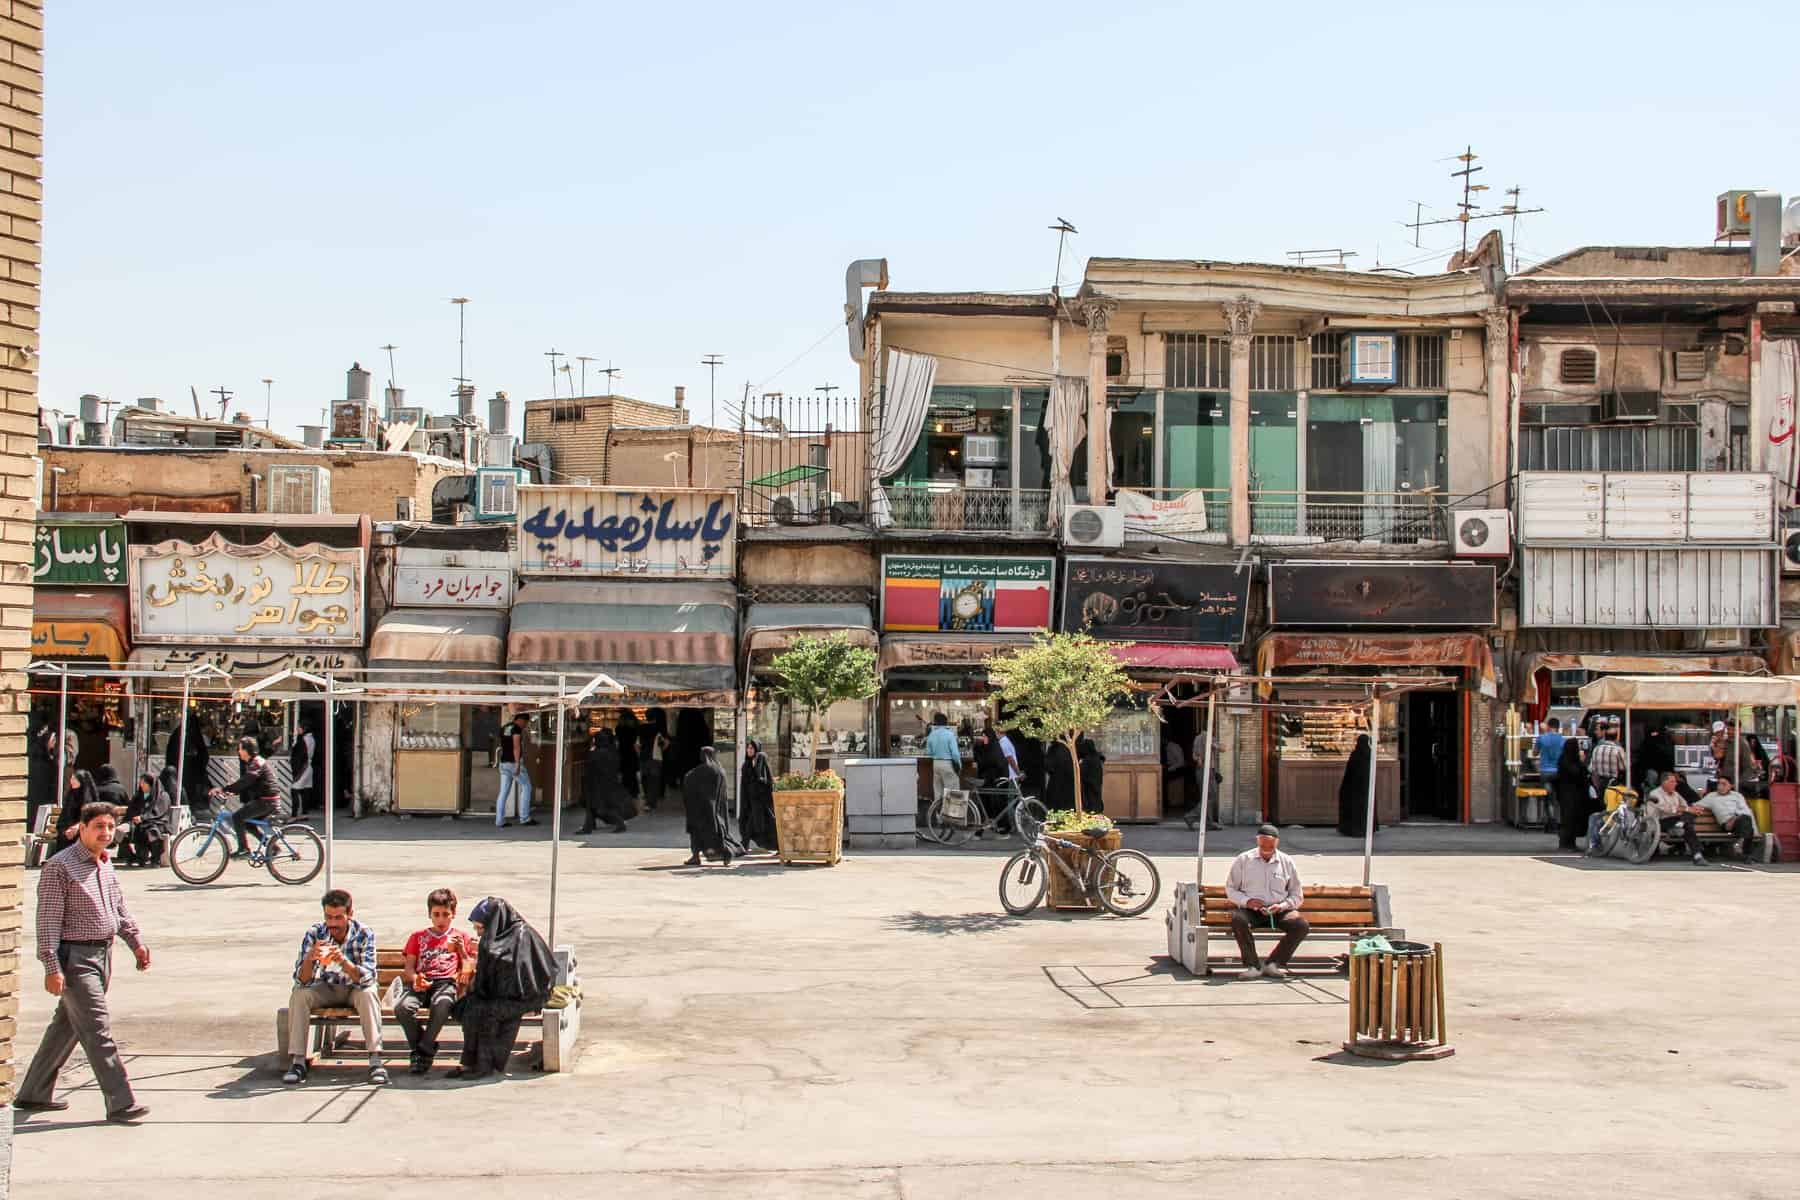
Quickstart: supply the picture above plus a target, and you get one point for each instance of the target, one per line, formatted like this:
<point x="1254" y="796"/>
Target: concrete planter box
<point x="809" y="825"/>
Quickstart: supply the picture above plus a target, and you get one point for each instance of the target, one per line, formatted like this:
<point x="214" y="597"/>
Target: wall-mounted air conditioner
<point x="1093" y="526"/>
<point x="1630" y="406"/>
<point x="409" y="414"/>
<point x="1368" y="360"/>
<point x="299" y="489"/>
<point x="1790" y="552"/>
<point x="1481" y="532"/>
<point x="981" y="449"/>
<point x="497" y="493"/>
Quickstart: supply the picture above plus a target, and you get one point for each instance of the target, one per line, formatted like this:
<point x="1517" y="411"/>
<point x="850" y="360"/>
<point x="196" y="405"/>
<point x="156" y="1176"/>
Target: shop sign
<point x="680" y="532"/>
<point x="82" y="555"/>
<point x="246" y="664"/>
<point x="1372" y="593"/>
<point x="453" y="587"/>
<point x="216" y="592"/>
<point x="965" y="594"/>
<point x="1121" y="600"/>
<point x="1146" y="515"/>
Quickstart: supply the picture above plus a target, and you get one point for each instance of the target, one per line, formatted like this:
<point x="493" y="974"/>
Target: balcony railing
<point x="953" y="507"/>
<point x="1375" y="518"/>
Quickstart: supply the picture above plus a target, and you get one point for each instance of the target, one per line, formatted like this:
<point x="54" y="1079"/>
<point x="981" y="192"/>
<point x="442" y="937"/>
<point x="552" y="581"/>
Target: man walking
<point x="946" y="757"/>
<point x="513" y="774"/>
<point x="81" y="908"/>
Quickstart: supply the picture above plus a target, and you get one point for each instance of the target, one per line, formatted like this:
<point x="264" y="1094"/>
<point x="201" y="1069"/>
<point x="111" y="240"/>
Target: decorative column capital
<point x="1499" y="325"/>
<point x="1099" y="314"/>
<point x="1240" y="316"/>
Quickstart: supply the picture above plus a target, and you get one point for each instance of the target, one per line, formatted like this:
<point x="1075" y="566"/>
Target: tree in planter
<point x="1059" y="687"/>
<point x="817" y="672"/>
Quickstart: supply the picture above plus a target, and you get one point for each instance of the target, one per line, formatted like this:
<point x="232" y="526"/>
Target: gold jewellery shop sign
<point x="271" y="593"/>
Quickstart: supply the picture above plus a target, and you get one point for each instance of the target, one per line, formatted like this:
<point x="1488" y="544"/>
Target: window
<point x="967" y="439"/>
<point x="1133" y="439"/>
<point x="561" y="414"/>
<point x="1196" y="440"/>
<point x="1379" y="444"/>
<point x="1324" y="361"/>
<point x="1196" y="360"/>
<point x="1272" y="362"/>
<point x="1578" y="366"/>
<point x="1421" y="362"/>
<point x="1034" y="440"/>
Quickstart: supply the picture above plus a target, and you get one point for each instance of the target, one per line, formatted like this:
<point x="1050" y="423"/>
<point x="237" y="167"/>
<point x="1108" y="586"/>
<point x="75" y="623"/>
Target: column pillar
<point x="1099" y="319"/>
<point x="1759" y="416"/>
<point x="1500" y="400"/>
<point x="1240" y="318"/>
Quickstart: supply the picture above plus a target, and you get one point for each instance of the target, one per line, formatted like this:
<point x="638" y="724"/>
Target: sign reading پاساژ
<point x="681" y="532"/>
<point x="224" y="594"/>
<point x="84" y="555"/>
<point x="965" y="594"/>
<point x="1122" y="600"/>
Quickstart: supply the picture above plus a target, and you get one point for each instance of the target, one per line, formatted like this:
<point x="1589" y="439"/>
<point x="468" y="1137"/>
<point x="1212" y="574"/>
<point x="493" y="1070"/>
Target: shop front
<point x="1165" y="619"/>
<point x="783" y="729"/>
<point x="83" y="630"/>
<point x="1428" y="736"/>
<point x="443" y="751"/>
<point x="942" y="618"/>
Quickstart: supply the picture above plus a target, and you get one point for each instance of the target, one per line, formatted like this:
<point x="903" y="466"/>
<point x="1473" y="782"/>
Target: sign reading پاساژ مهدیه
<point x="83" y="555"/>
<point x="215" y="592"/>
<point x="1123" y="600"/>
<point x="965" y="594"/>
<point x="627" y="532"/>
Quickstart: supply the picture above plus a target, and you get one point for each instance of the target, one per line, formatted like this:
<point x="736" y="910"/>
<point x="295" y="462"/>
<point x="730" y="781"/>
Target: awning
<point x="1690" y="691"/>
<point x="672" y="641"/>
<point x="244" y="664"/>
<point x="1467" y="651"/>
<point x="1175" y="656"/>
<point x="772" y="628"/>
<point x="945" y="649"/>
<point x="1633" y="664"/>
<point x="69" y="623"/>
<point x="435" y="642"/>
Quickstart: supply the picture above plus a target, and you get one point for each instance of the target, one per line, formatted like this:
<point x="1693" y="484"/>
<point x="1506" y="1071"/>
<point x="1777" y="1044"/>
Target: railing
<point x="800" y="461"/>
<point x="1379" y="518"/>
<point x="953" y="507"/>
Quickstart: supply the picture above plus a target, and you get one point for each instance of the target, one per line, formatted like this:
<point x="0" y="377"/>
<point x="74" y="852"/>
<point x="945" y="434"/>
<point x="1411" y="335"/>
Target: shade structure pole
<point x="1631" y="783"/>
<point x="181" y="724"/>
<point x="1212" y="703"/>
<point x="562" y="718"/>
<point x="63" y="765"/>
<point x="1369" y="806"/>
<point x="330" y="782"/>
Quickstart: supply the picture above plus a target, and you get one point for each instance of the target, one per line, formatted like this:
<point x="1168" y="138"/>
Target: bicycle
<point x="292" y="852"/>
<point x="1124" y="882"/>
<point x="953" y="821"/>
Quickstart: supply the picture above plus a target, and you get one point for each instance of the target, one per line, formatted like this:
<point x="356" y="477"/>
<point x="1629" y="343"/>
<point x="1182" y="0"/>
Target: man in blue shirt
<point x="1549" y="749"/>
<point x="946" y="756"/>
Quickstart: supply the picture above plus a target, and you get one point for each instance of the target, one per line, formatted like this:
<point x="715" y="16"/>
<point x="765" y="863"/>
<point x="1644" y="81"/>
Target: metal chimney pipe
<point x="313" y="436"/>
<point x="356" y="383"/>
<point x="499" y="413"/>
<point x="465" y="400"/>
<point x="1765" y="234"/>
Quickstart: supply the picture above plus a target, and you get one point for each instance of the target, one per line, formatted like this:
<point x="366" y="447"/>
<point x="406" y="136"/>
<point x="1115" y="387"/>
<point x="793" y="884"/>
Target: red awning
<point x="1175" y="656"/>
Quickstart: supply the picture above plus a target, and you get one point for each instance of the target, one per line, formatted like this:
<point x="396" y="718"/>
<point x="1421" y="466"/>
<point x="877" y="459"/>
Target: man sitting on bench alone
<point x="336" y="969"/>
<point x="1264" y="890"/>
<point x="1731" y="811"/>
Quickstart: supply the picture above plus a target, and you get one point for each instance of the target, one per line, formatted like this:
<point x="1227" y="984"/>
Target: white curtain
<point x="1066" y="419"/>
<point x="909" y="380"/>
<point x="1378" y="476"/>
<point x="1779" y="383"/>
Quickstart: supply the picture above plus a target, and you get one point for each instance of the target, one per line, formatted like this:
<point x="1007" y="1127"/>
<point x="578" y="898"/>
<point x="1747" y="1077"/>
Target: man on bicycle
<point x="257" y="788"/>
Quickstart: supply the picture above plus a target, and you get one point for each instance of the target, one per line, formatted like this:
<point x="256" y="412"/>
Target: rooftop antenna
<point x="195" y="393"/>
<point x="609" y="371"/>
<point x="1333" y="259"/>
<point x="553" y="354"/>
<point x="1062" y="229"/>
<point x="269" y="404"/>
<point x="712" y="363"/>
<point x="1419" y="207"/>
<point x="568" y="370"/>
<point x="1467" y="207"/>
<point x="390" y="348"/>
<point x="1512" y="209"/>
<point x="462" y="304"/>
<point x="584" y="360"/>
<point x="224" y="399"/>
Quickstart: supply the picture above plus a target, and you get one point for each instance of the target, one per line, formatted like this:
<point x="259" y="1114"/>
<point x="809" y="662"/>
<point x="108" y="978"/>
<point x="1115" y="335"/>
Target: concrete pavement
<point x="883" y="1029"/>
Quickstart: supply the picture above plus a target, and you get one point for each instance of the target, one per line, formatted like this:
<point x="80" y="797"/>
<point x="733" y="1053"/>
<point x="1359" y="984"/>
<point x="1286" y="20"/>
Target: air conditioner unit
<point x="404" y="508"/>
<point x="981" y="449"/>
<point x="794" y="507"/>
<point x="1481" y="532"/>
<point x="419" y="442"/>
<point x="1690" y="365"/>
<point x="1721" y="639"/>
<point x="498" y="450"/>
<point x="978" y="477"/>
<point x="463" y="514"/>
<point x="1368" y="359"/>
<point x="408" y="413"/>
<point x="1630" y="406"/>
<point x="297" y="489"/>
<point x="497" y="493"/>
<point x="1094" y="526"/>
<point x="354" y="421"/>
<point x="1790" y="552"/>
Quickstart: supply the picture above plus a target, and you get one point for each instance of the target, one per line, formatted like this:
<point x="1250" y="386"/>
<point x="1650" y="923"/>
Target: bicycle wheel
<point x="1029" y="818"/>
<point x="1127" y="883"/>
<point x="199" y="854"/>
<point x="294" y="854"/>
<point x="948" y="831"/>
<point x="1023" y="881"/>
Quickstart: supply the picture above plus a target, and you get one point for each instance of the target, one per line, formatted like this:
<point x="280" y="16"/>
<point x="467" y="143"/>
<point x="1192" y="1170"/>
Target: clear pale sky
<point x="240" y="191"/>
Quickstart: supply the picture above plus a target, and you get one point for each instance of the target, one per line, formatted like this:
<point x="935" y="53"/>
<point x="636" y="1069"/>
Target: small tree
<point x="1060" y="686"/>
<point x="817" y="672"/>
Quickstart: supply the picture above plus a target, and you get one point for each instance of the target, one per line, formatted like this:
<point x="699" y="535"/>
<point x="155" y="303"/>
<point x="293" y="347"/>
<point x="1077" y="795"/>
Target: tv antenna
<point x="609" y="371"/>
<point x="553" y="354"/>
<point x="584" y="360"/>
<point x="712" y="363"/>
<point x="269" y="404"/>
<point x="1469" y="207"/>
<point x="1333" y="259"/>
<point x="1062" y="229"/>
<point x="224" y="399"/>
<point x="462" y="304"/>
<point x="390" y="348"/>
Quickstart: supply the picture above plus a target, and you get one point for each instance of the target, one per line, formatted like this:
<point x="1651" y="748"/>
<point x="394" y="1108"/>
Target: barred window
<point x="1272" y="362"/>
<point x="1201" y="361"/>
<point x="564" y="413"/>
<point x="1421" y="362"/>
<point x="1324" y="361"/>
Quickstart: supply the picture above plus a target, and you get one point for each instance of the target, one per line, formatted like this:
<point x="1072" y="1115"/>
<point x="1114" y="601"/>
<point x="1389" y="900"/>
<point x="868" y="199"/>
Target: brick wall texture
<point x="21" y="222"/>
<point x="579" y="448"/>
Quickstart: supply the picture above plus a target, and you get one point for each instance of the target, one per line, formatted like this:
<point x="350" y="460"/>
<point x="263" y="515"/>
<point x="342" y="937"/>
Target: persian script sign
<point x="224" y="594"/>
<point x="685" y="533"/>
<point x="82" y="555"/>
<point x="1125" y="600"/>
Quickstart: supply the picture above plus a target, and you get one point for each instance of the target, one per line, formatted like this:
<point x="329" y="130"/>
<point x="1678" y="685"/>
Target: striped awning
<point x="70" y="623"/>
<point x="445" y="642"/>
<point x="668" y="640"/>
<point x="772" y="628"/>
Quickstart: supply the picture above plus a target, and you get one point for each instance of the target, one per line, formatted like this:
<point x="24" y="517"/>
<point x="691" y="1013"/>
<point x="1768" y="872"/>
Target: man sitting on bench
<point x="1731" y="812"/>
<point x="1677" y="816"/>
<point x="336" y="969"/>
<point x="1264" y="890"/>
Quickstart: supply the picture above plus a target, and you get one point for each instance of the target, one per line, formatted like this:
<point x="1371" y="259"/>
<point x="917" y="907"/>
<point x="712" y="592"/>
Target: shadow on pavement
<point x="948" y="924"/>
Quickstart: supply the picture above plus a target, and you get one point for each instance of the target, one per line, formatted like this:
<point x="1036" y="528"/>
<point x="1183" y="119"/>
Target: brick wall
<point x="580" y="448"/>
<point x="21" y="214"/>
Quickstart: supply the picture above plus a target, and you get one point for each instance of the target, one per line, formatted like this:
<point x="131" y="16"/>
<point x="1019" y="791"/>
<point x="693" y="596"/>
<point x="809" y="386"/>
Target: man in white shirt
<point x="1731" y="811"/>
<point x="1675" y="814"/>
<point x="1264" y="890"/>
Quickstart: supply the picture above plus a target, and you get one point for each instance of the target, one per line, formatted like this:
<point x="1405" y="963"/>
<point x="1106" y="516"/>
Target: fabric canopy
<point x="906" y="397"/>
<point x="1175" y="656"/>
<point x="436" y="639"/>
<point x="1066" y="421"/>
<point x="77" y="623"/>
<point x="1690" y="691"/>
<point x="772" y="628"/>
<point x="1468" y="651"/>
<point x="666" y="638"/>
<point x="1631" y="664"/>
<point x="945" y="649"/>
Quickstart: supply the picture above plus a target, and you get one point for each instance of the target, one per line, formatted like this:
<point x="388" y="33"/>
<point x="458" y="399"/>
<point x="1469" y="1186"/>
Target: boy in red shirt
<point x="439" y="962"/>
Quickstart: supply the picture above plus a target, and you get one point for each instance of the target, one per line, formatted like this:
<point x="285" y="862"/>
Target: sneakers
<point x="1249" y="973"/>
<point x="1271" y="971"/>
<point x="377" y="1074"/>
<point x="295" y="1074"/>
<point x="1699" y="860"/>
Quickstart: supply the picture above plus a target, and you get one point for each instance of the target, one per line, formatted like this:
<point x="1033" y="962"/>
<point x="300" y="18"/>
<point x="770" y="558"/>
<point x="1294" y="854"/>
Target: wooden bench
<point x="1706" y="828"/>
<point x="1201" y="938"/>
<point x="336" y="1032"/>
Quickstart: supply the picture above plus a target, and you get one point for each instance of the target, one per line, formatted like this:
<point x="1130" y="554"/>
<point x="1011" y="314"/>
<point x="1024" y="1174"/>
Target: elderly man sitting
<point x="1677" y="815"/>
<point x="1264" y="890"/>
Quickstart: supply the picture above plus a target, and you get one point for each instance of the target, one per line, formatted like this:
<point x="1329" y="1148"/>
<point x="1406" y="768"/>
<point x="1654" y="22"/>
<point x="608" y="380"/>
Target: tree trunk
<point x="818" y="732"/>
<point x="1075" y="764"/>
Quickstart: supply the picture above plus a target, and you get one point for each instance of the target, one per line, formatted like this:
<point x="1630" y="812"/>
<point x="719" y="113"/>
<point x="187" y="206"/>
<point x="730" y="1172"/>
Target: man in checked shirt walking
<point x="81" y="909"/>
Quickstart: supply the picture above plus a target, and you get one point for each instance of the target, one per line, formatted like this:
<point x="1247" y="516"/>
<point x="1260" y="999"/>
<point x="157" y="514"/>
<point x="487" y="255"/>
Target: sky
<point x="240" y="192"/>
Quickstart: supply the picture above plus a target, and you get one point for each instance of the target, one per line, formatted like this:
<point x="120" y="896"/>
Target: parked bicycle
<point x="292" y="852"/>
<point x="1124" y="882"/>
<point x="955" y="817"/>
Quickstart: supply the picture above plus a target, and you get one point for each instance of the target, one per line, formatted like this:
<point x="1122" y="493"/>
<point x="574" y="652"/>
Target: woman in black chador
<point x="1353" y="791"/>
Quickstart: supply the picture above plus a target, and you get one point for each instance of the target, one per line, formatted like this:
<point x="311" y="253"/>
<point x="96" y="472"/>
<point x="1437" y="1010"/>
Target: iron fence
<point x="953" y="507"/>
<point x="1380" y="518"/>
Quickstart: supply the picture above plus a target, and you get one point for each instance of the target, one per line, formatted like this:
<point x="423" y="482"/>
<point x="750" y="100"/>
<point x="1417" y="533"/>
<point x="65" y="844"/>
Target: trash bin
<point x="1397" y="1000"/>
